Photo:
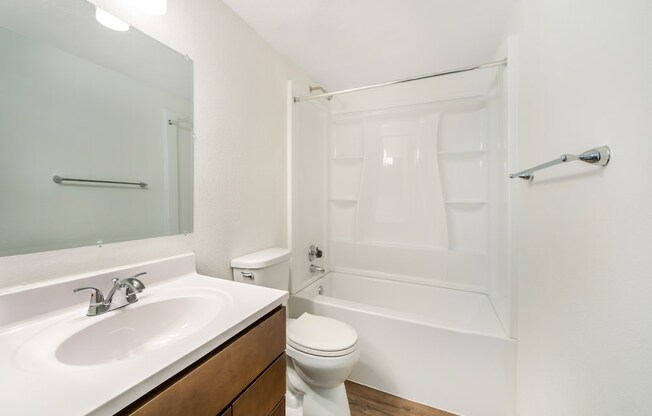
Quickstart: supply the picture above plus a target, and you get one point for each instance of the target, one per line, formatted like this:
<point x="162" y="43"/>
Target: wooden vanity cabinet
<point x="243" y="377"/>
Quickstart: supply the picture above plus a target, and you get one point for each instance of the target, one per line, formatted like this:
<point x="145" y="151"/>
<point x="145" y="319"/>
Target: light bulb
<point x="110" y="21"/>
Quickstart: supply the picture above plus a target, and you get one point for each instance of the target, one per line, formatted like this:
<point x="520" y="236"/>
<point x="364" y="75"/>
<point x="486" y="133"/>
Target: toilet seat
<point x="321" y="336"/>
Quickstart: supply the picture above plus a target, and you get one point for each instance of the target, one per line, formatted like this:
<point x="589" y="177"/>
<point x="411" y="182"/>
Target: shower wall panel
<point x="408" y="193"/>
<point x="309" y="143"/>
<point x="501" y="275"/>
<point x="397" y="203"/>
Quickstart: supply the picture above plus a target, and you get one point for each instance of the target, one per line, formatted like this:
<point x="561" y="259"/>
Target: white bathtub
<point x="441" y="347"/>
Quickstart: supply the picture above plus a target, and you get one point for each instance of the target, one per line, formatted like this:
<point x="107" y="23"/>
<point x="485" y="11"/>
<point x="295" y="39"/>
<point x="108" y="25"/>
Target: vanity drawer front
<point x="279" y="410"/>
<point x="211" y="384"/>
<point x="261" y="398"/>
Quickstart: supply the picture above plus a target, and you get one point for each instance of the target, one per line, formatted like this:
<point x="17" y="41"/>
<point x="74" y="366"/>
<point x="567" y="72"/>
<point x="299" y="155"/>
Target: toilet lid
<point x="318" y="335"/>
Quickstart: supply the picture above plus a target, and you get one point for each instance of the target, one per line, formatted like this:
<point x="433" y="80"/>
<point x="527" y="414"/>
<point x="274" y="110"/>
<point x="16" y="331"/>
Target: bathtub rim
<point x="403" y="278"/>
<point x="389" y="313"/>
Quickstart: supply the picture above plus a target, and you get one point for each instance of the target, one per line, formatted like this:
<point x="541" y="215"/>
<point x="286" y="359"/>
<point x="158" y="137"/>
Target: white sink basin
<point x="135" y="330"/>
<point x="97" y="365"/>
<point x="162" y="319"/>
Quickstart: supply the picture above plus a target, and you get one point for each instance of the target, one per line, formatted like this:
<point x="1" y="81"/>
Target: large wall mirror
<point x="81" y="101"/>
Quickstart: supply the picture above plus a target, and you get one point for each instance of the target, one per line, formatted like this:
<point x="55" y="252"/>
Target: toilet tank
<point x="269" y="268"/>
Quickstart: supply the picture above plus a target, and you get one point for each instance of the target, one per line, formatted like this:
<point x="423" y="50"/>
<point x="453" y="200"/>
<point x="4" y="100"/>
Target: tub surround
<point x="410" y="190"/>
<point x="414" y="215"/>
<point x="37" y="321"/>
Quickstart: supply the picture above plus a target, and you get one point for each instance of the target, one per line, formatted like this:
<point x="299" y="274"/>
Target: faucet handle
<point x="96" y="304"/>
<point x="96" y="295"/>
<point x="133" y="285"/>
<point x="130" y="290"/>
<point x="314" y="252"/>
<point x="136" y="283"/>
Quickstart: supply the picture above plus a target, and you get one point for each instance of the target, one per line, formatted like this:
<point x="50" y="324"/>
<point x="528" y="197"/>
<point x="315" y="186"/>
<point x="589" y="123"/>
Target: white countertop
<point x="35" y="320"/>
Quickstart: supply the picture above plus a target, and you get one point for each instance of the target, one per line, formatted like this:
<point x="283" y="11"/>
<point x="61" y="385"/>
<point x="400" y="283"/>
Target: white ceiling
<point x="349" y="43"/>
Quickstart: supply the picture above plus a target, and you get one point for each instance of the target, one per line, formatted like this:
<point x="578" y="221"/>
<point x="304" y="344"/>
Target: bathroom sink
<point x="161" y="320"/>
<point x="81" y="364"/>
<point x="134" y="331"/>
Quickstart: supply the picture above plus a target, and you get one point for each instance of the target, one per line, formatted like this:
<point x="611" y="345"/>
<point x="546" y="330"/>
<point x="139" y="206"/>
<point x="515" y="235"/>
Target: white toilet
<point x="321" y="351"/>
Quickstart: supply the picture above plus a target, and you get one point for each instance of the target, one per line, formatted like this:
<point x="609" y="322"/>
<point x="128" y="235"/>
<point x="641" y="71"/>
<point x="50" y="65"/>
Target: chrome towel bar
<point x="599" y="156"/>
<point x="59" y="179"/>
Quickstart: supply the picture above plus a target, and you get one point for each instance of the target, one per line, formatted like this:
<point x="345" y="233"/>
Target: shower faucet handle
<point x="314" y="252"/>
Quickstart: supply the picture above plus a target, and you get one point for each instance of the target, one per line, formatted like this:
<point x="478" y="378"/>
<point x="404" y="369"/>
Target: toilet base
<point x="329" y="402"/>
<point x="303" y="400"/>
<point x="324" y="402"/>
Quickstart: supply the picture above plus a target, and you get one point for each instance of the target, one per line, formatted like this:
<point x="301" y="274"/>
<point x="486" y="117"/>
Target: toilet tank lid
<point x="262" y="258"/>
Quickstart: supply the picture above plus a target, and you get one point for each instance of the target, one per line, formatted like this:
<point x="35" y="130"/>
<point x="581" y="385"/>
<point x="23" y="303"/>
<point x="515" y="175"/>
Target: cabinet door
<point x="215" y="381"/>
<point x="279" y="410"/>
<point x="261" y="398"/>
<point x="227" y="412"/>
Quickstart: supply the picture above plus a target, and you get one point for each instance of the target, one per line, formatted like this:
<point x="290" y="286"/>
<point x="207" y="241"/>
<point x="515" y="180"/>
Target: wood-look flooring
<point x="365" y="401"/>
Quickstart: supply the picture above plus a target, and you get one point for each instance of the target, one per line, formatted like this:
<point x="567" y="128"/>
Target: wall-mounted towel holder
<point x="59" y="179"/>
<point x="599" y="156"/>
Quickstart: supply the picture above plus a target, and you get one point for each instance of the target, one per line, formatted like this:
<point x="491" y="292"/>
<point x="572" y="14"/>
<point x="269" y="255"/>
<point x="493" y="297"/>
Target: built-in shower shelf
<point x="462" y="152"/>
<point x="467" y="252"/>
<point x="466" y="202"/>
<point x="344" y="200"/>
<point x="347" y="158"/>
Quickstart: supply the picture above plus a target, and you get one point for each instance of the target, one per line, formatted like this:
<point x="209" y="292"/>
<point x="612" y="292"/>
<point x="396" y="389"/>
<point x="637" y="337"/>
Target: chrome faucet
<point x="316" y="269"/>
<point x="128" y="287"/>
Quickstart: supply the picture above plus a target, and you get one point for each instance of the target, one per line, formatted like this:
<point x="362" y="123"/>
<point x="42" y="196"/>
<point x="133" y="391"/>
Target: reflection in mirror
<point x="82" y="101"/>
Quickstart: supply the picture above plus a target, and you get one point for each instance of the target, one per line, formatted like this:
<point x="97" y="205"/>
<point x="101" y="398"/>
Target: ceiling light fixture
<point x="110" y="21"/>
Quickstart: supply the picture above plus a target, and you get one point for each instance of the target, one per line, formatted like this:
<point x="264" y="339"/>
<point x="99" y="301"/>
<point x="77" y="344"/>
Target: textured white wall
<point x="584" y="285"/>
<point x="240" y="152"/>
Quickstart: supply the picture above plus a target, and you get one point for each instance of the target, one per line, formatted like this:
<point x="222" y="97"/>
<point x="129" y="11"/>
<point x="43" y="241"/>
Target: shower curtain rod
<point x="502" y="62"/>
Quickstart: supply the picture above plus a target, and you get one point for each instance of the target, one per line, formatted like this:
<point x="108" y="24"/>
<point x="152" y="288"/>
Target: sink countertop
<point x="36" y="320"/>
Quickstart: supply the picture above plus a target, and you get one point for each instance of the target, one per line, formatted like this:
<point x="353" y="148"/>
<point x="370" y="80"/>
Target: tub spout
<point x="316" y="269"/>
